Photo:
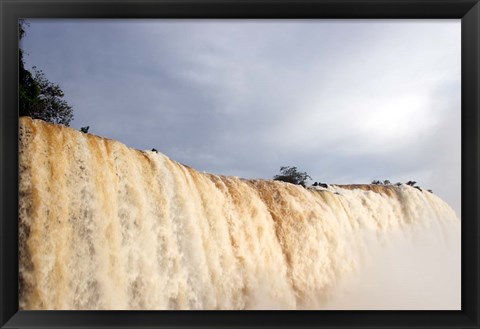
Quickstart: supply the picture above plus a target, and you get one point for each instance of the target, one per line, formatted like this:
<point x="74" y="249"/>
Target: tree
<point x="292" y="175"/>
<point x="28" y="88"/>
<point x="38" y="97"/>
<point x="51" y="106"/>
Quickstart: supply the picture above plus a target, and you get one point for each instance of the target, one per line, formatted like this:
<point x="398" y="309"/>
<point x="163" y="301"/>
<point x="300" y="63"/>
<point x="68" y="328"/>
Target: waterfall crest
<point x="104" y="226"/>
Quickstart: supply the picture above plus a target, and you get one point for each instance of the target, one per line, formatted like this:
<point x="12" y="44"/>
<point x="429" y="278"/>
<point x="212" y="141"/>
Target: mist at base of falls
<point x="419" y="274"/>
<point x="106" y="227"/>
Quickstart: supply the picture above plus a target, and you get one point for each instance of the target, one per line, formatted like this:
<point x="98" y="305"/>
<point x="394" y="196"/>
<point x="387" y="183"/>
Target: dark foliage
<point x="292" y="175"/>
<point x="28" y="88"/>
<point x="38" y="97"/>
<point x="324" y="185"/>
<point x="378" y="182"/>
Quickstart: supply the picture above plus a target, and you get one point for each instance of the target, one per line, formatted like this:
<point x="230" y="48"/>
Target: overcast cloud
<point x="345" y="101"/>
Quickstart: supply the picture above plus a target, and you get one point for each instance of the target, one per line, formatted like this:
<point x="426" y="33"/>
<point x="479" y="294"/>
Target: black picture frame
<point x="466" y="10"/>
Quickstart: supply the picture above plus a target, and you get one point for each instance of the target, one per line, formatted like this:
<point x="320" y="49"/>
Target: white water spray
<point x="103" y="226"/>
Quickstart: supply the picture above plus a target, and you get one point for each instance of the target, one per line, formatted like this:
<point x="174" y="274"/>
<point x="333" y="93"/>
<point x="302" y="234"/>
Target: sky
<point x="347" y="101"/>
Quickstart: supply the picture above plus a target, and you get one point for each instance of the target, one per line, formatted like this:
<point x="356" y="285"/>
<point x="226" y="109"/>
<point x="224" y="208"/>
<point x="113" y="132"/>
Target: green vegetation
<point x="409" y="183"/>
<point x="320" y="184"/>
<point x="38" y="97"/>
<point x="292" y="175"/>
<point x="378" y="182"/>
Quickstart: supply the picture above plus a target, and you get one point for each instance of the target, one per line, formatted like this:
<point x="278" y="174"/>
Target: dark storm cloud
<point x="346" y="101"/>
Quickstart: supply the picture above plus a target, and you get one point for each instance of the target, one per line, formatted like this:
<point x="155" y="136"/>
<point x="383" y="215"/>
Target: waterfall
<point x="104" y="226"/>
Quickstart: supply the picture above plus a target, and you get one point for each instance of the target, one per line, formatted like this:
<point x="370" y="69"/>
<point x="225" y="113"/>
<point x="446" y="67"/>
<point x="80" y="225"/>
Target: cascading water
<point x="103" y="226"/>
